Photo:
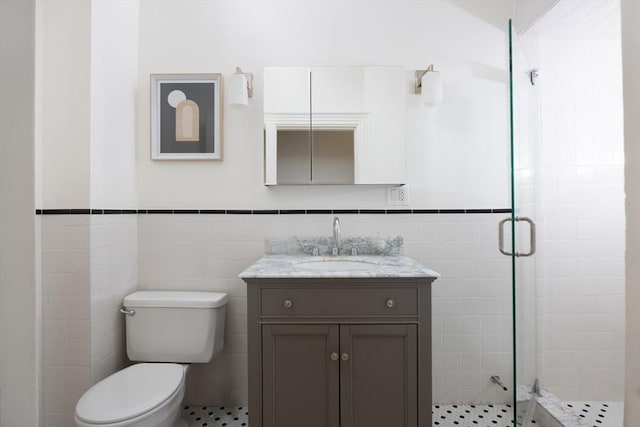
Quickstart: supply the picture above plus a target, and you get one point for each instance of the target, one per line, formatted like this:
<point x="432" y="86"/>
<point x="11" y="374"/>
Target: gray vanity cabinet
<point x="339" y="352"/>
<point x="378" y="382"/>
<point x="339" y="375"/>
<point x="300" y="381"/>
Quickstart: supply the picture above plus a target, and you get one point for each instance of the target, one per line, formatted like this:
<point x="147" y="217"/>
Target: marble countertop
<point x="297" y="266"/>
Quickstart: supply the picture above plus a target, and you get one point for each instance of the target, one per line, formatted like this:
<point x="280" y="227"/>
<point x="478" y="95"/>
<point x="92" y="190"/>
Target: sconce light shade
<point x="238" y="93"/>
<point x="431" y="89"/>
<point x="240" y="88"/>
<point x="428" y="84"/>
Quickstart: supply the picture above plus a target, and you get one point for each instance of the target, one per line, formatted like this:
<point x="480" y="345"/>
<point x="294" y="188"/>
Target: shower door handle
<point x="532" y="236"/>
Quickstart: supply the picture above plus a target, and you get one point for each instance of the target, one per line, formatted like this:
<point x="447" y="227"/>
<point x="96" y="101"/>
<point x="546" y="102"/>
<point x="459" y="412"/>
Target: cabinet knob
<point x="334" y="356"/>
<point x="391" y="303"/>
<point x="345" y="356"/>
<point x="287" y="303"/>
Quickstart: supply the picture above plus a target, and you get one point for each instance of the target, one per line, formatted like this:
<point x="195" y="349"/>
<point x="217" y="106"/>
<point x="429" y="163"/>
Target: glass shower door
<point x="520" y="228"/>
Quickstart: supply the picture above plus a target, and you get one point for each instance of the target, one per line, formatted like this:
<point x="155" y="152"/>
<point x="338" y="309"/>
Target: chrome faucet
<point x="336" y="236"/>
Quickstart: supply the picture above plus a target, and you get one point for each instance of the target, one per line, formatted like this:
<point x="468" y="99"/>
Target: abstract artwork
<point x="185" y="116"/>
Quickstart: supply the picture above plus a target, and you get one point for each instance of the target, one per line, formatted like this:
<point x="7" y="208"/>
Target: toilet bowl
<point x="142" y="395"/>
<point x="149" y="394"/>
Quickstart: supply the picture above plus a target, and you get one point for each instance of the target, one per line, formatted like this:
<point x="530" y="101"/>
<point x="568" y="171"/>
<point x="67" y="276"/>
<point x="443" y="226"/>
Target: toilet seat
<point x="130" y="393"/>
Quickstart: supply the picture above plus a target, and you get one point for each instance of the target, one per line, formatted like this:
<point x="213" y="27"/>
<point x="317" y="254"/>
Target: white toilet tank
<point x="178" y="327"/>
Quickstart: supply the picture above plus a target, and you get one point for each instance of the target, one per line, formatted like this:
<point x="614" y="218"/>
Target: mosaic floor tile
<point x="605" y="414"/>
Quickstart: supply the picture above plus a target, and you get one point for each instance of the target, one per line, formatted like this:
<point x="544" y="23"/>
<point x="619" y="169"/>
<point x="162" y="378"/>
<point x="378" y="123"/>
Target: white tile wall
<point x="114" y="253"/>
<point x="88" y="265"/>
<point x="581" y="294"/>
<point x="66" y="287"/>
<point x="471" y="301"/>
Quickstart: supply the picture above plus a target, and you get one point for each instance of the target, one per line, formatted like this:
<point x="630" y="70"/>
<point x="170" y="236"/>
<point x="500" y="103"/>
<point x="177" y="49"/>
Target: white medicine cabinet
<point x="334" y="125"/>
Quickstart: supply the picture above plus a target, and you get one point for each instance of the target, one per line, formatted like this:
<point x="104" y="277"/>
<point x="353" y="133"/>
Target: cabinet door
<point x="300" y="378"/>
<point x="378" y="379"/>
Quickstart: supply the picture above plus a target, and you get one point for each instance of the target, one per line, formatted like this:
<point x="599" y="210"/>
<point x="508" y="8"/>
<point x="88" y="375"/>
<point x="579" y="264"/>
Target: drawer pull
<point x="287" y="303"/>
<point x="391" y="303"/>
<point x="345" y="356"/>
<point x="334" y="356"/>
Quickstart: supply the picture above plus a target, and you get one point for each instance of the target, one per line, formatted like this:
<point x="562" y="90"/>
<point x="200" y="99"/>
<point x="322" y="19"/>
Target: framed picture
<point x="185" y="116"/>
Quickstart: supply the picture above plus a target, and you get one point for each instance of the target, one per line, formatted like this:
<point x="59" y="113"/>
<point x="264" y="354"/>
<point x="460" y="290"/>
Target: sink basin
<point x="339" y="264"/>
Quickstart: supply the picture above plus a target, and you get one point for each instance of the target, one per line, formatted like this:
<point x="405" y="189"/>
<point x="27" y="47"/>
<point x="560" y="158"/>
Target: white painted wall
<point x="65" y="103"/>
<point x="114" y="74"/>
<point x="20" y="399"/>
<point x="457" y="155"/>
<point x="630" y="12"/>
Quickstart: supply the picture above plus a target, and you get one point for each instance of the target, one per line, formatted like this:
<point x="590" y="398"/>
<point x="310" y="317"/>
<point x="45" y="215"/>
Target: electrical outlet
<point x="403" y="196"/>
<point x="398" y="196"/>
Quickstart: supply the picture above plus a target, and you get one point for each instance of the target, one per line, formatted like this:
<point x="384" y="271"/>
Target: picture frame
<point x="186" y="113"/>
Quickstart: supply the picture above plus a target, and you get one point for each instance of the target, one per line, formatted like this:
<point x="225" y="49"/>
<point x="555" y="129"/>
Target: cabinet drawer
<point x="339" y="302"/>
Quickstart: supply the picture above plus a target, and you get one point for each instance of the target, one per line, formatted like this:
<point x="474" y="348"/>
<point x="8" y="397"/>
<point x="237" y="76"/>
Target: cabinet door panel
<point x="300" y="380"/>
<point x="378" y="381"/>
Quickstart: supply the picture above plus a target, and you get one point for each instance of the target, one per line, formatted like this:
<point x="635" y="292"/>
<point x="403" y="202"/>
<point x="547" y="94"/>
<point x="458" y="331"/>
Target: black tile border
<point x="269" y="211"/>
<point x="292" y="212"/>
<point x="56" y="211"/>
<point x="481" y="211"/>
<point x="399" y="211"/>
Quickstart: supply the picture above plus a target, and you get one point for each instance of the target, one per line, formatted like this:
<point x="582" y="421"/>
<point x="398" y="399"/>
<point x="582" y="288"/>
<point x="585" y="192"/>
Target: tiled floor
<point x="443" y="415"/>
<point x="606" y="414"/>
<point x="215" y="416"/>
<point x="473" y="415"/>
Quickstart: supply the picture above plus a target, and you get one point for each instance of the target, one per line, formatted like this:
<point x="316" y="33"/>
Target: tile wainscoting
<point x="88" y="265"/>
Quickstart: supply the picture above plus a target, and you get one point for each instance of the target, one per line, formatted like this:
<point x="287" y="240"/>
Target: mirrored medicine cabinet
<point x="334" y="125"/>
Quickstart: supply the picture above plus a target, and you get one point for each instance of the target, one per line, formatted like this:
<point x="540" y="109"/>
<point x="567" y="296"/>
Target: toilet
<point x="166" y="331"/>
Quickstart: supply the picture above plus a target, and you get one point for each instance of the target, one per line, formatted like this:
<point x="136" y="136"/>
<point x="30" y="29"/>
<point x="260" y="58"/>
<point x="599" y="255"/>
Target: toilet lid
<point x="130" y="392"/>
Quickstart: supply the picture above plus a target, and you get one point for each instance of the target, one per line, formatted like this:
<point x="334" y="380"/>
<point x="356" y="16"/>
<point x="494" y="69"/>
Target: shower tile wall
<point x="88" y="264"/>
<point x="581" y="295"/>
<point x="471" y="301"/>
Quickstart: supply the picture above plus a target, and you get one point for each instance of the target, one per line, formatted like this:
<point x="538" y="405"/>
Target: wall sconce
<point x="429" y="84"/>
<point x="240" y="88"/>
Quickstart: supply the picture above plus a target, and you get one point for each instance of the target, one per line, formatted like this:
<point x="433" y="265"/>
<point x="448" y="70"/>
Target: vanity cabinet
<point x="339" y="352"/>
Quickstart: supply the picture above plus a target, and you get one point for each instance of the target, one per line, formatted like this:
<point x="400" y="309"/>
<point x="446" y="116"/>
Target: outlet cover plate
<point x="398" y="196"/>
